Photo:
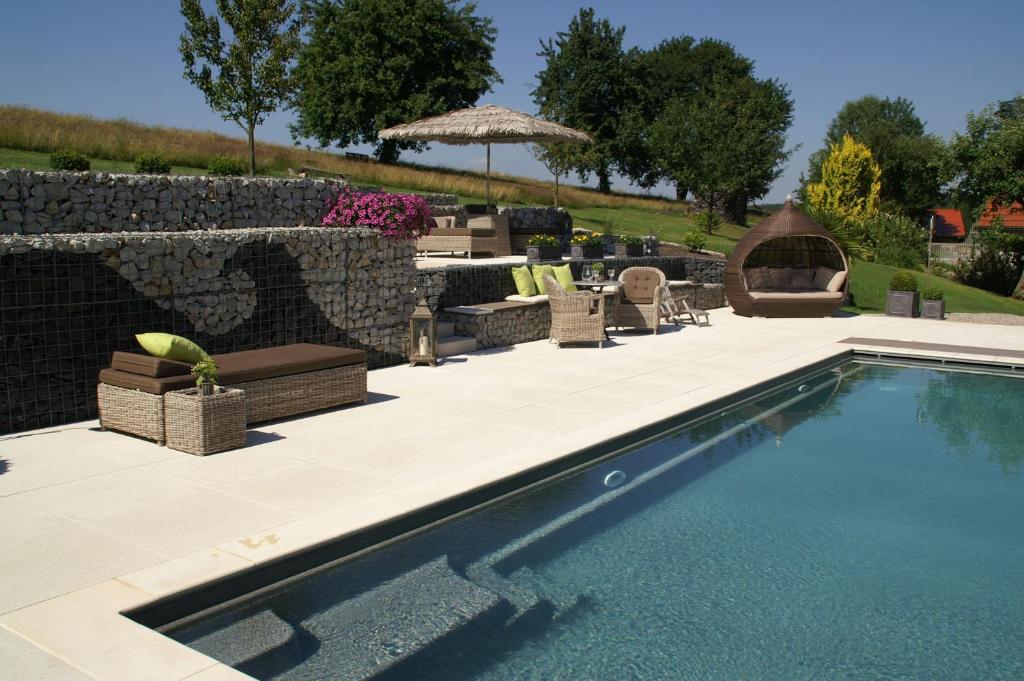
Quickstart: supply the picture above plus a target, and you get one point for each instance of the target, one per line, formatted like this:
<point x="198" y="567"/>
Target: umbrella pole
<point x="488" y="182"/>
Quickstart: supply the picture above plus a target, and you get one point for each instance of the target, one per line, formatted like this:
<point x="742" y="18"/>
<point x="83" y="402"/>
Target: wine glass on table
<point x="587" y="273"/>
<point x="611" y="274"/>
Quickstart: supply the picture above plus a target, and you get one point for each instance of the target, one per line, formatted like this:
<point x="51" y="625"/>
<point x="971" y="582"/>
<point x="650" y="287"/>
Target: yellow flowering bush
<point x="851" y="182"/>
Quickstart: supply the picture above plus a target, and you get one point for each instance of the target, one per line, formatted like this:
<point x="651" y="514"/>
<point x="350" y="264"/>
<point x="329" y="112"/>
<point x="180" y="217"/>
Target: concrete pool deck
<point x="96" y="523"/>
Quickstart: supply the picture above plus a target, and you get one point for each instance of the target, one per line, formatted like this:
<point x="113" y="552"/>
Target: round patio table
<point x="598" y="285"/>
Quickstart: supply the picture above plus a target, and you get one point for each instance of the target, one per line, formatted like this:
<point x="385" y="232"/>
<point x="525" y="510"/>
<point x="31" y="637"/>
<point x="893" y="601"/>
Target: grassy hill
<point x="27" y="136"/>
<point x="869" y="281"/>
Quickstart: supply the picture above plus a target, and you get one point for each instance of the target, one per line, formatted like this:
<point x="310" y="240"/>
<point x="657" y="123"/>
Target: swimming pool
<point x="867" y="522"/>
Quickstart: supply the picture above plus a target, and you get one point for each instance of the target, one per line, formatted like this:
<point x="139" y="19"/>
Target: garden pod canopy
<point x="787" y="266"/>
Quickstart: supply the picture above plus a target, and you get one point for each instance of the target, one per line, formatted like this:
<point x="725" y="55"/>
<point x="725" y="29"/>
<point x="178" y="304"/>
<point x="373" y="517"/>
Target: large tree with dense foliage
<point x="728" y="140"/>
<point x="247" y="74"/>
<point x="988" y="157"/>
<point x="585" y="85"/>
<point x="371" y="64"/>
<point x="679" y="67"/>
<point x="912" y="162"/>
<point x="850" y="183"/>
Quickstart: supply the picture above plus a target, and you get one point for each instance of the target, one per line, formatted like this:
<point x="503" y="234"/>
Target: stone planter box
<point x="536" y="253"/>
<point x="581" y="252"/>
<point x="628" y="250"/>
<point x="902" y="303"/>
<point x="933" y="309"/>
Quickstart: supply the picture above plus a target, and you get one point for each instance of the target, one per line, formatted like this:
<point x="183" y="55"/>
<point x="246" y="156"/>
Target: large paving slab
<point x="93" y="523"/>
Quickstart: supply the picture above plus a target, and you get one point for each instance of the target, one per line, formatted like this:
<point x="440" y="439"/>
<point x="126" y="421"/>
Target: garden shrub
<point x="395" y="216"/>
<point x="946" y="271"/>
<point x="932" y="293"/>
<point x="903" y="281"/>
<point x="69" y="160"/>
<point x="895" y="240"/>
<point x="152" y="164"/>
<point x="695" y="240"/>
<point x="997" y="261"/>
<point x="226" y="166"/>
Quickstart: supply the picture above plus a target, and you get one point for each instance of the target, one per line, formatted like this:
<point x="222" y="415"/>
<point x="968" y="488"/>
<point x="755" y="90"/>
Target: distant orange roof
<point x="1012" y="215"/>
<point x="949" y="222"/>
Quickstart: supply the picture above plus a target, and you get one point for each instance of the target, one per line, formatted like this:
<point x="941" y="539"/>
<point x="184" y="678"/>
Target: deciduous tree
<point x="371" y="64"/>
<point x="727" y="141"/>
<point x="913" y="163"/>
<point x="247" y="74"/>
<point x="988" y="157"/>
<point x="584" y="85"/>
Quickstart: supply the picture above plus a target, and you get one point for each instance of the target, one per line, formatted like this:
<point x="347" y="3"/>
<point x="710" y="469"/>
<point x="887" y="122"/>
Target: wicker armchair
<point x="640" y="296"/>
<point x="574" y="317"/>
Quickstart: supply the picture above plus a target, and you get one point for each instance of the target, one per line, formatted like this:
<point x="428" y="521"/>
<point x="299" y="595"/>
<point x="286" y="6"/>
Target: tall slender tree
<point x="584" y="85"/>
<point x="247" y="74"/>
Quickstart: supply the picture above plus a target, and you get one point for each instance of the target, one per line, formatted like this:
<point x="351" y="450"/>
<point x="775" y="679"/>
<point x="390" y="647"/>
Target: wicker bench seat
<point x="278" y="382"/>
<point x="447" y="238"/>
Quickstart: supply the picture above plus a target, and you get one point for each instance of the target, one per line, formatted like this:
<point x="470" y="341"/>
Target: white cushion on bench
<point x="515" y="298"/>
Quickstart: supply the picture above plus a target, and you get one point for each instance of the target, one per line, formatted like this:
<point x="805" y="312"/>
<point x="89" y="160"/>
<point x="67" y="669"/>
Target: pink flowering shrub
<point x="395" y="216"/>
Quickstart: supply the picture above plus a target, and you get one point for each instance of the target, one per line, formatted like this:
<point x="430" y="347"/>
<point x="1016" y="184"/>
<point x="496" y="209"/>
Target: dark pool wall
<point x="67" y="303"/>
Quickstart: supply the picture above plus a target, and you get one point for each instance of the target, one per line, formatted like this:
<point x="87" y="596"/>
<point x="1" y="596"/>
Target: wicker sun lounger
<point x="278" y="382"/>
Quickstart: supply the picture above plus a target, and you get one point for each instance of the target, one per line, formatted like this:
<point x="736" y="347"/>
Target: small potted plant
<point x="629" y="246"/>
<point x="205" y="372"/>
<point x="902" y="299"/>
<point x="587" y="245"/>
<point x="543" y="247"/>
<point x="598" y="269"/>
<point x="932" y="304"/>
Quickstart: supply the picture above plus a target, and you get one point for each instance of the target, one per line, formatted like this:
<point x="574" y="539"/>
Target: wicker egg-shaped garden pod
<point x="767" y="273"/>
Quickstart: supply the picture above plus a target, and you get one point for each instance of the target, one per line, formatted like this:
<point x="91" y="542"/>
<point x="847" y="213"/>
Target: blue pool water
<point x="866" y="525"/>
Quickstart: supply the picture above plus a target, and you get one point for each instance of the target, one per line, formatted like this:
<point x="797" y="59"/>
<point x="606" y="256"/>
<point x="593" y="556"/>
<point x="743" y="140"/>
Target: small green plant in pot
<point x="205" y="372"/>
<point x="902" y="298"/>
<point x="598" y="269"/>
<point x="630" y="246"/>
<point x="587" y="245"/>
<point x="543" y="247"/>
<point x="932" y="304"/>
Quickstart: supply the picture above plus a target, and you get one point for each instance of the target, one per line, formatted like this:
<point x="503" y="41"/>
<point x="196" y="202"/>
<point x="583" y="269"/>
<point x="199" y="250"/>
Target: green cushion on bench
<point x="525" y="284"/>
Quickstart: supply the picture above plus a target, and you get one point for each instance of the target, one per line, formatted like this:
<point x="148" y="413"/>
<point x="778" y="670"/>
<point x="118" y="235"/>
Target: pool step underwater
<point x="424" y="611"/>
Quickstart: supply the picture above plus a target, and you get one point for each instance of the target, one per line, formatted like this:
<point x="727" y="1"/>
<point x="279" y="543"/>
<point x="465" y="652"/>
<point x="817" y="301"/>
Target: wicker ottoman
<point x="202" y="425"/>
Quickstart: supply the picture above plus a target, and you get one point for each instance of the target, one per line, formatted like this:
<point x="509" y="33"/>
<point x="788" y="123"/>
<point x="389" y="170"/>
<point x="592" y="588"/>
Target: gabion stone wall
<point x="504" y="327"/>
<point x="64" y="202"/>
<point x="474" y="284"/>
<point x="67" y="302"/>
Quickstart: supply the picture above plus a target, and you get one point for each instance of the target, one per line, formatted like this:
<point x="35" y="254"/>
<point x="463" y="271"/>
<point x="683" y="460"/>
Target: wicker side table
<point x="203" y="425"/>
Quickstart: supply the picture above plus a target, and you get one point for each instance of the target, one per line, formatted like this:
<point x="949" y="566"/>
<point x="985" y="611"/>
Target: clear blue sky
<point x="118" y="58"/>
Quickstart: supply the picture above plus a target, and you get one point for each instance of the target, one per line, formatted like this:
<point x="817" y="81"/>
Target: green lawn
<point x="869" y="282"/>
<point x="37" y="160"/>
<point x="667" y="225"/>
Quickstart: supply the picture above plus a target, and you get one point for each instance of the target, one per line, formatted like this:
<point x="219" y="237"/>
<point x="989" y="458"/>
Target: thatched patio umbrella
<point x="488" y="125"/>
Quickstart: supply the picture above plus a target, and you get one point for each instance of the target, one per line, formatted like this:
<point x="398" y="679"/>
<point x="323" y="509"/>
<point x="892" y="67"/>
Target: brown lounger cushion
<point x="147" y="365"/>
<point x="249" y="365"/>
